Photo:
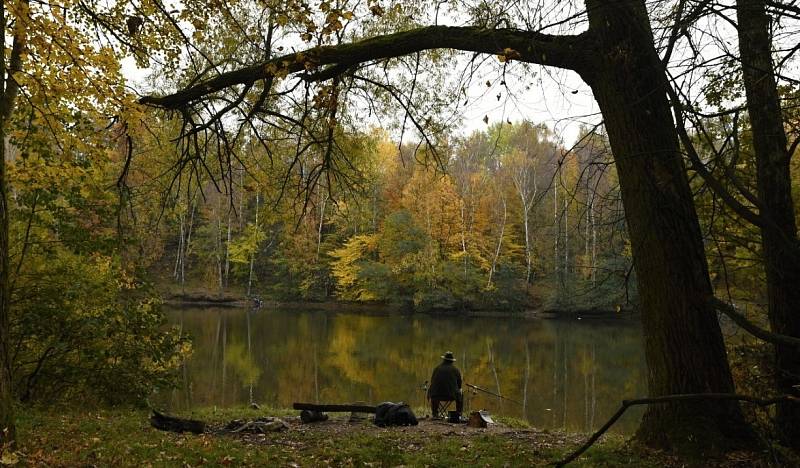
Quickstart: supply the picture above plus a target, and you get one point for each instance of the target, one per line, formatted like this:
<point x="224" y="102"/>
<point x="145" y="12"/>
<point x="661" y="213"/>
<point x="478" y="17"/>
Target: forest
<point x="488" y="228"/>
<point x="393" y="158"/>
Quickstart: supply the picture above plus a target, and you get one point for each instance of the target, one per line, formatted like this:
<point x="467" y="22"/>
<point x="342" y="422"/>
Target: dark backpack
<point x="394" y="414"/>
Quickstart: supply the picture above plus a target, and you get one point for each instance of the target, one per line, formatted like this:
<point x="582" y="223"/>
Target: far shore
<point x="373" y="308"/>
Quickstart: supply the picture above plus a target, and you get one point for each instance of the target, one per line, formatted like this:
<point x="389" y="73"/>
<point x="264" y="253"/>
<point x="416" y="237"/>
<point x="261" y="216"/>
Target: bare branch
<point x="768" y="336"/>
<point x="668" y="399"/>
<point x="697" y="164"/>
<point x="559" y="51"/>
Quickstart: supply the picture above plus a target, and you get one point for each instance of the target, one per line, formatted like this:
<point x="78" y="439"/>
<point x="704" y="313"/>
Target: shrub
<point x="83" y="328"/>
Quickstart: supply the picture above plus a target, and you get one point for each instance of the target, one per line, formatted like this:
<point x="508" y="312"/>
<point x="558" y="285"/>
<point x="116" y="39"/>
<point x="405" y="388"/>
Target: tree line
<point x="511" y="219"/>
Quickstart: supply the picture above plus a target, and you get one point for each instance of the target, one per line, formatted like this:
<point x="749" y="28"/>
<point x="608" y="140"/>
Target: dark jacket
<point x="445" y="382"/>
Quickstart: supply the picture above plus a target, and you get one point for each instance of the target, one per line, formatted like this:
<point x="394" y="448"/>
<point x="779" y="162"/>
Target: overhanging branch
<point x="563" y="51"/>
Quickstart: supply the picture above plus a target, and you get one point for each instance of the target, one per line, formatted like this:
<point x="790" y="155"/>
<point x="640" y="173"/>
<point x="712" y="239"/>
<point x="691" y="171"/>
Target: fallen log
<point x="173" y="424"/>
<point x="334" y="408"/>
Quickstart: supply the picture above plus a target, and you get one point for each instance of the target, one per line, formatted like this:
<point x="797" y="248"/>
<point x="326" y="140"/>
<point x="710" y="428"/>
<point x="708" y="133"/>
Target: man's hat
<point x="448" y="356"/>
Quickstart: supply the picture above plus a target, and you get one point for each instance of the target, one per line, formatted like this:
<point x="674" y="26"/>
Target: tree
<point x="7" y="103"/>
<point x="760" y="196"/>
<point x="617" y="58"/>
<point x="521" y="163"/>
<point x="781" y="249"/>
<point x="61" y="85"/>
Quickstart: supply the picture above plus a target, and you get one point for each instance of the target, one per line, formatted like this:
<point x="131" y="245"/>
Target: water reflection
<point x="567" y="374"/>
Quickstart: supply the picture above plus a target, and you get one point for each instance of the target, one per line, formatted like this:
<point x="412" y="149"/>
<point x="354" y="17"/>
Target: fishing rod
<point x="492" y="393"/>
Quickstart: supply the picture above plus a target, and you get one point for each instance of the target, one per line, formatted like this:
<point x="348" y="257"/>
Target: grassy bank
<point x="123" y="437"/>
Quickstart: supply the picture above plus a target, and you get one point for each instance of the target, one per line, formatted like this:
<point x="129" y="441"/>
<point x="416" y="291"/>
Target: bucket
<point x="453" y="417"/>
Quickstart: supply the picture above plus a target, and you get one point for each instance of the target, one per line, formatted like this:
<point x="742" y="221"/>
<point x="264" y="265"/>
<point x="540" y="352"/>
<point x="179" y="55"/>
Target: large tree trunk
<point x="683" y="343"/>
<point x="10" y="90"/>
<point x="7" y="428"/>
<point x="779" y="232"/>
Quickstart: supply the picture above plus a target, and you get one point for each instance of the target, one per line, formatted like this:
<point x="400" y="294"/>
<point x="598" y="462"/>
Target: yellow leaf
<point x="9" y="458"/>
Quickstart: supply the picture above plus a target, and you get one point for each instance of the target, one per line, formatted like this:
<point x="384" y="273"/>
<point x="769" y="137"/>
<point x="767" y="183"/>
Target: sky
<point x="562" y="101"/>
<point x="557" y="98"/>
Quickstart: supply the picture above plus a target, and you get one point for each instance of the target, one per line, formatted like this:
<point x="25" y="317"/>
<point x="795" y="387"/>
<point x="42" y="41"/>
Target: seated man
<point x="446" y="384"/>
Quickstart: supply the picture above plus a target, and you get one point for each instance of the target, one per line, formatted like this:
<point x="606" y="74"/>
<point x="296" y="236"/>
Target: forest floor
<point x="119" y="437"/>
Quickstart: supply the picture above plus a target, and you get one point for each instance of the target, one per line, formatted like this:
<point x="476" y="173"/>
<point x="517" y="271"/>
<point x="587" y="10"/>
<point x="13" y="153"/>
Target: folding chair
<point x="441" y="407"/>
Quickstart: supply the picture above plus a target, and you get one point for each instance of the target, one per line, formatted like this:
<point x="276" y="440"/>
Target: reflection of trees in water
<point x="184" y="391"/>
<point x="567" y="374"/>
<point x="250" y="341"/>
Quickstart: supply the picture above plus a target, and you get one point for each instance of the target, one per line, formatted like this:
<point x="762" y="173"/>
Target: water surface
<point x="566" y="374"/>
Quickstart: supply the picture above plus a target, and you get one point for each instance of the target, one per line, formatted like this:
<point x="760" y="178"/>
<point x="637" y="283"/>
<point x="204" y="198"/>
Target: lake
<point x="569" y="374"/>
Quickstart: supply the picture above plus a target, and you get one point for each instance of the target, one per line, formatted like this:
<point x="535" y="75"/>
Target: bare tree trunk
<point x="219" y="255"/>
<point x="253" y="256"/>
<point x="499" y="242"/>
<point x="228" y="250"/>
<point x="185" y="232"/>
<point x="10" y="90"/>
<point x="525" y="223"/>
<point x="586" y="240"/>
<point x="321" y="221"/>
<point x="241" y="197"/>
<point x="179" y="252"/>
<point x="556" y="223"/>
<point x="374" y="209"/>
<point x="464" y="237"/>
<point x="7" y="426"/>
<point x="523" y="175"/>
<point x="188" y="243"/>
<point x="779" y="231"/>
<point x="428" y="249"/>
